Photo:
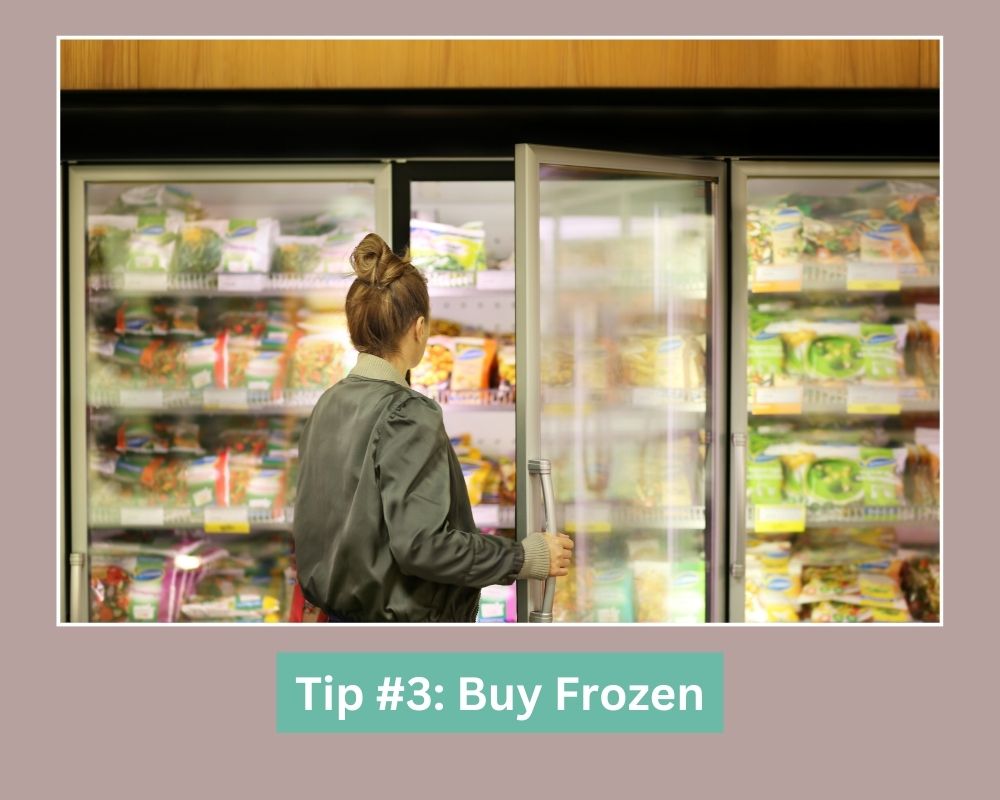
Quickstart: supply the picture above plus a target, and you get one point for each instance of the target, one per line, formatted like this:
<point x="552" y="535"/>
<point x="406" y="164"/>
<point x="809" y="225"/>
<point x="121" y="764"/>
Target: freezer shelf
<point x="245" y="519"/>
<point x="858" y="277"/>
<point x="612" y="517"/>
<point x="792" y="519"/>
<point x="440" y="284"/>
<point x="849" y="399"/>
<point x="208" y="401"/>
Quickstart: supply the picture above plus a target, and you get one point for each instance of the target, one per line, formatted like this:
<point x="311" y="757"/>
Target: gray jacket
<point x="383" y="527"/>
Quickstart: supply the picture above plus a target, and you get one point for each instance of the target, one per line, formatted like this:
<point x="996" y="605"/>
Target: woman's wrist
<point x="536" y="557"/>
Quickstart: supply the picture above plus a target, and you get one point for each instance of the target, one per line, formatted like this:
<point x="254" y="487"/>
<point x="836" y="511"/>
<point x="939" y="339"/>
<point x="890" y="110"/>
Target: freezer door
<point x="835" y="399"/>
<point x="620" y="352"/>
<point x="204" y="318"/>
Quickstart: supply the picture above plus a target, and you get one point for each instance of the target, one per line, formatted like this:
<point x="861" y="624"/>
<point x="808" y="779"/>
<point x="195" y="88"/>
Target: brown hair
<point x="387" y="296"/>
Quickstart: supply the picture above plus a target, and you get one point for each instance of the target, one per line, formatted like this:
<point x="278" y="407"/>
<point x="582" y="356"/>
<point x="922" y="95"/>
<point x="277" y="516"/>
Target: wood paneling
<point x="99" y="64"/>
<point x="930" y="64"/>
<point x="337" y="64"/>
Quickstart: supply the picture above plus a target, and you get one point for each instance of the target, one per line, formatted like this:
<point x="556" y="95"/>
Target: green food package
<point x="882" y="350"/>
<point x="434" y="246"/>
<point x="847" y="475"/>
<point x="611" y="595"/>
<point x="108" y="241"/>
<point x="299" y="254"/>
<point x="765" y="357"/>
<point x="247" y="245"/>
<point x="686" y="593"/>
<point x="151" y="246"/>
<point x="200" y="247"/>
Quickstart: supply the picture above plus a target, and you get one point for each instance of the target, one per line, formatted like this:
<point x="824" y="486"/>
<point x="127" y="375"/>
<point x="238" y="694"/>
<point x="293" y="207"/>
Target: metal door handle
<point x="542" y="469"/>
<point x="737" y="540"/>
<point x="77" y="588"/>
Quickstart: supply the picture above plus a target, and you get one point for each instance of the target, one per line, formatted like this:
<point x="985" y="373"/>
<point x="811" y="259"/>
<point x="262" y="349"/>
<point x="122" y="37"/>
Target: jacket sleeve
<point x="412" y="463"/>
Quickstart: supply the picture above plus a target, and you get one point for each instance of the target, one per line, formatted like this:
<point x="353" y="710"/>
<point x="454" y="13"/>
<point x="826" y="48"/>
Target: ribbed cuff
<point x="536" y="557"/>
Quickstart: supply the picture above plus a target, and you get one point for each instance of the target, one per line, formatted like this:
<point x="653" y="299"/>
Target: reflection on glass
<point x="625" y="263"/>
<point x="212" y="329"/>
<point x="843" y="364"/>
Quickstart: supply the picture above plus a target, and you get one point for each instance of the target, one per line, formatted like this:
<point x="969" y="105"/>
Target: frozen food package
<point x="473" y="365"/>
<point x="199" y="249"/>
<point x="498" y="604"/>
<point x="108" y="239"/>
<point x="153" y="198"/>
<point x="438" y="247"/>
<point x="435" y="369"/>
<point x="686" y="595"/>
<point x="150" y="362"/>
<point x="667" y="362"/>
<point x="759" y="250"/>
<point x="132" y="587"/>
<point x="506" y="364"/>
<point x="153" y="242"/>
<point x="612" y="594"/>
<point x="557" y="367"/>
<point x="787" y="242"/>
<point x="847" y="475"/>
<point x="247" y="245"/>
<point x="142" y="436"/>
<point x="883" y="241"/>
<point x="652" y="587"/>
<point x="140" y="318"/>
<point x="204" y="362"/>
<point x="831" y="240"/>
<point x="666" y="472"/>
<point x="920" y="582"/>
<point x="318" y="360"/>
<point x="828" y="582"/>
<point x="828" y="611"/>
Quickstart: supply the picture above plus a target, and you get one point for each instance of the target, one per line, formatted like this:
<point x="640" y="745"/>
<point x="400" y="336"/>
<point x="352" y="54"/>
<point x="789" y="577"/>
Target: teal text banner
<point x="499" y="692"/>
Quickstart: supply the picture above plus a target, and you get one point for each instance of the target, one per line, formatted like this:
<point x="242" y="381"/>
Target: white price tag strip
<point x="779" y="519"/>
<point x="225" y="398"/>
<point x="777" y="400"/>
<point x="873" y="400"/>
<point x="227" y="520"/>
<point x="142" y="517"/>
<point x="242" y="282"/>
<point x="141" y="398"/>
<point x="145" y="281"/>
<point x="778" y="278"/>
<point x="495" y="280"/>
<point x="873" y="277"/>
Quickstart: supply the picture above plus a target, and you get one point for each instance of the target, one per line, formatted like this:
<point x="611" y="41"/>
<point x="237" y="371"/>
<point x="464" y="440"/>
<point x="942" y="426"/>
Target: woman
<point x="383" y="525"/>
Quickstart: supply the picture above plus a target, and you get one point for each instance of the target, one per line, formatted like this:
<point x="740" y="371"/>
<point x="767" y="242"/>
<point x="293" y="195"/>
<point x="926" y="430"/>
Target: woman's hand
<point x="560" y="553"/>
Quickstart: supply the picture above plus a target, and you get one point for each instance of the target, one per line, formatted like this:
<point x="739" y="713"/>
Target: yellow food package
<point x="473" y="363"/>
<point x="435" y="369"/>
<point x="652" y="584"/>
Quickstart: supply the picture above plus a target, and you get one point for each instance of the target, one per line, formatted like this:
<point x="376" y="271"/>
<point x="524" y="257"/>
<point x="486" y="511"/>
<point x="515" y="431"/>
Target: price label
<point x="495" y="280"/>
<point x="142" y="517"/>
<point x="777" y="400"/>
<point x="227" y="520"/>
<point x="250" y="282"/>
<point x="779" y="519"/>
<point x="873" y="400"/>
<point x="873" y="278"/>
<point x="225" y="398"/>
<point x="141" y="398"/>
<point x="145" y="281"/>
<point x="780" y="278"/>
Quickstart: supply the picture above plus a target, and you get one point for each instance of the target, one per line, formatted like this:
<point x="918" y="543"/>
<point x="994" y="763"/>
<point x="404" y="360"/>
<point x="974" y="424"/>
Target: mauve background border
<point x="174" y="712"/>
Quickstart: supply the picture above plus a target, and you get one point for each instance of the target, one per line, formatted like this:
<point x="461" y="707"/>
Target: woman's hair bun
<point x="375" y="263"/>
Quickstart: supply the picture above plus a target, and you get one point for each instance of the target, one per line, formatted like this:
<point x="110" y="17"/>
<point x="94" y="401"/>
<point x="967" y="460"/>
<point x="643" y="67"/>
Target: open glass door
<point x="620" y="357"/>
